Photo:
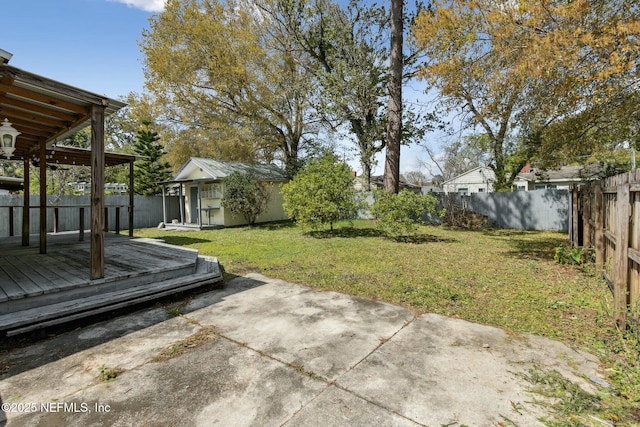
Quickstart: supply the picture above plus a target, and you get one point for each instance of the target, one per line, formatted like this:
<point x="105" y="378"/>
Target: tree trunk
<point x="366" y="173"/>
<point x="394" y="124"/>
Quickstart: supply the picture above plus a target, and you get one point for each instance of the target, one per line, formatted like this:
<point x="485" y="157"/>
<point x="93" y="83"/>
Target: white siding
<point x="473" y="181"/>
<point x="479" y="180"/>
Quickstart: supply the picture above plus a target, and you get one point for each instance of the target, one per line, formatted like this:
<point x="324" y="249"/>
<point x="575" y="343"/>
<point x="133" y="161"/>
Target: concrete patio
<point x="282" y="355"/>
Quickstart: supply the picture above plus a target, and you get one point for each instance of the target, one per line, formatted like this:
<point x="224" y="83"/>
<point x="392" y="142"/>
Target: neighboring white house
<point x="200" y="185"/>
<point x="477" y="180"/>
<point x="84" y="187"/>
<point x="481" y="179"/>
<point x="562" y="178"/>
<point x="377" y="182"/>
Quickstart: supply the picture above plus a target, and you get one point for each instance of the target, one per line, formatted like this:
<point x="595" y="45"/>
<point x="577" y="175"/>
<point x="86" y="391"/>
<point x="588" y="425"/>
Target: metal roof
<point x="217" y="169"/>
<point x="45" y="111"/>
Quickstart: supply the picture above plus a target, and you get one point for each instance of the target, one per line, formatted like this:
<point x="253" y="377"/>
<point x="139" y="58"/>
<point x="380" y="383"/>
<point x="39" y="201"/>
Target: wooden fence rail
<point x="606" y="217"/>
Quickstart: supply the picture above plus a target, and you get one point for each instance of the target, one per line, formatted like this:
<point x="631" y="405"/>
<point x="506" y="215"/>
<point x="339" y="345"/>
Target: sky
<point x="93" y="45"/>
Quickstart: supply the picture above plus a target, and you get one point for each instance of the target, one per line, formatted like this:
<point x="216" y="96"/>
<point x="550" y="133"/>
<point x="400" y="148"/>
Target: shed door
<point x="193" y="203"/>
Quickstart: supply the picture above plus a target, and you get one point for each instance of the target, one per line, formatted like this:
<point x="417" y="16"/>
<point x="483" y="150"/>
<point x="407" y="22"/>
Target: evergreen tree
<point x="152" y="169"/>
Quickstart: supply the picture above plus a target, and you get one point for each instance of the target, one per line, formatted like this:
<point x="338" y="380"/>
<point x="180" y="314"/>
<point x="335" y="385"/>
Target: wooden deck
<point x="38" y="290"/>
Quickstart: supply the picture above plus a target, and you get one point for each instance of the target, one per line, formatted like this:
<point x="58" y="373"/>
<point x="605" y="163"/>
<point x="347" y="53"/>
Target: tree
<point x="245" y="195"/>
<point x="321" y="193"/>
<point x="415" y="177"/>
<point x="152" y="169"/>
<point x="514" y="69"/>
<point x="348" y="60"/>
<point x="349" y="50"/>
<point x="468" y="152"/>
<point x="394" y="124"/>
<point x="229" y="74"/>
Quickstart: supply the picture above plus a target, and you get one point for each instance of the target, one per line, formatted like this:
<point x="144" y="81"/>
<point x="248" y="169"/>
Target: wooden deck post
<point x="599" y="227"/>
<point x="25" y="204"/>
<point x="97" y="192"/>
<point x="43" y="198"/>
<point x="621" y="276"/>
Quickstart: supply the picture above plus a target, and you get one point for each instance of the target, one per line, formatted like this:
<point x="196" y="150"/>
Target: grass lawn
<point x="504" y="278"/>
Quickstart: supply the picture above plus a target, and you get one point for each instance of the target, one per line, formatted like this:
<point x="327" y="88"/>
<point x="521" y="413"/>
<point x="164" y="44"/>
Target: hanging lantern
<point x="8" y="135"/>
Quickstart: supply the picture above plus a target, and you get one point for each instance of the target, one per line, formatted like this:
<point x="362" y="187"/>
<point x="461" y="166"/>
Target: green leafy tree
<point x="245" y="195"/>
<point x="152" y="168"/>
<point x="398" y="214"/>
<point x="229" y="74"/>
<point x="514" y="69"/>
<point x="348" y="47"/>
<point x="321" y="193"/>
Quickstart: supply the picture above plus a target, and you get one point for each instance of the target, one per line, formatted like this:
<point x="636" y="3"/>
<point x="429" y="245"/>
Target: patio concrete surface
<point x="283" y="355"/>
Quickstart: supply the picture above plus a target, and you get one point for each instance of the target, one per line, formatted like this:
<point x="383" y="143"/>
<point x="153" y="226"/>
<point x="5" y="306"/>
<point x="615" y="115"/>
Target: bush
<point x="575" y="256"/>
<point x="321" y="193"/>
<point x="245" y="195"/>
<point x="399" y="214"/>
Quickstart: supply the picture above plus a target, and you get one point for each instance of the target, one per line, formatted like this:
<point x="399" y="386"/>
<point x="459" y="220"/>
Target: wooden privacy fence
<point x="606" y="217"/>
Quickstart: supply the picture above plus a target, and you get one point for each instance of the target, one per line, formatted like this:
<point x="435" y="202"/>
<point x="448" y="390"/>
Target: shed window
<point x="211" y="191"/>
<point x="464" y="191"/>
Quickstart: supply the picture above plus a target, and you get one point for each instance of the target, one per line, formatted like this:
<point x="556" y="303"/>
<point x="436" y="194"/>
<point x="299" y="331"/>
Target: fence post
<point x="586" y="204"/>
<point x="117" y="219"/>
<point x="599" y="227"/>
<point x="56" y="219"/>
<point x="11" y="232"/>
<point x="81" y="221"/>
<point x="621" y="277"/>
<point x="574" y="217"/>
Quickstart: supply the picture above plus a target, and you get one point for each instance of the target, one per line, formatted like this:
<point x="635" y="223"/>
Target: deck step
<point x="207" y="272"/>
<point x="98" y="287"/>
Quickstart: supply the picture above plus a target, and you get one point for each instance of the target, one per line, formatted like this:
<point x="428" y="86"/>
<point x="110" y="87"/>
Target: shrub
<point x="245" y="195"/>
<point x="399" y="214"/>
<point x="575" y="256"/>
<point x="321" y="193"/>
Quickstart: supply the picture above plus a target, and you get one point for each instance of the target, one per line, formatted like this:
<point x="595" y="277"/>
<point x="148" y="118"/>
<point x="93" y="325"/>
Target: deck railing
<point x="81" y="217"/>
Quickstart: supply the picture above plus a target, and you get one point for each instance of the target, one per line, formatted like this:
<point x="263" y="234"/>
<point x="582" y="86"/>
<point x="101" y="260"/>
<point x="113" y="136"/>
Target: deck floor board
<point x="21" y="280"/>
<point x="58" y="269"/>
<point x="44" y="289"/>
<point x="25" y="272"/>
<point x="46" y="282"/>
<point x="9" y="287"/>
